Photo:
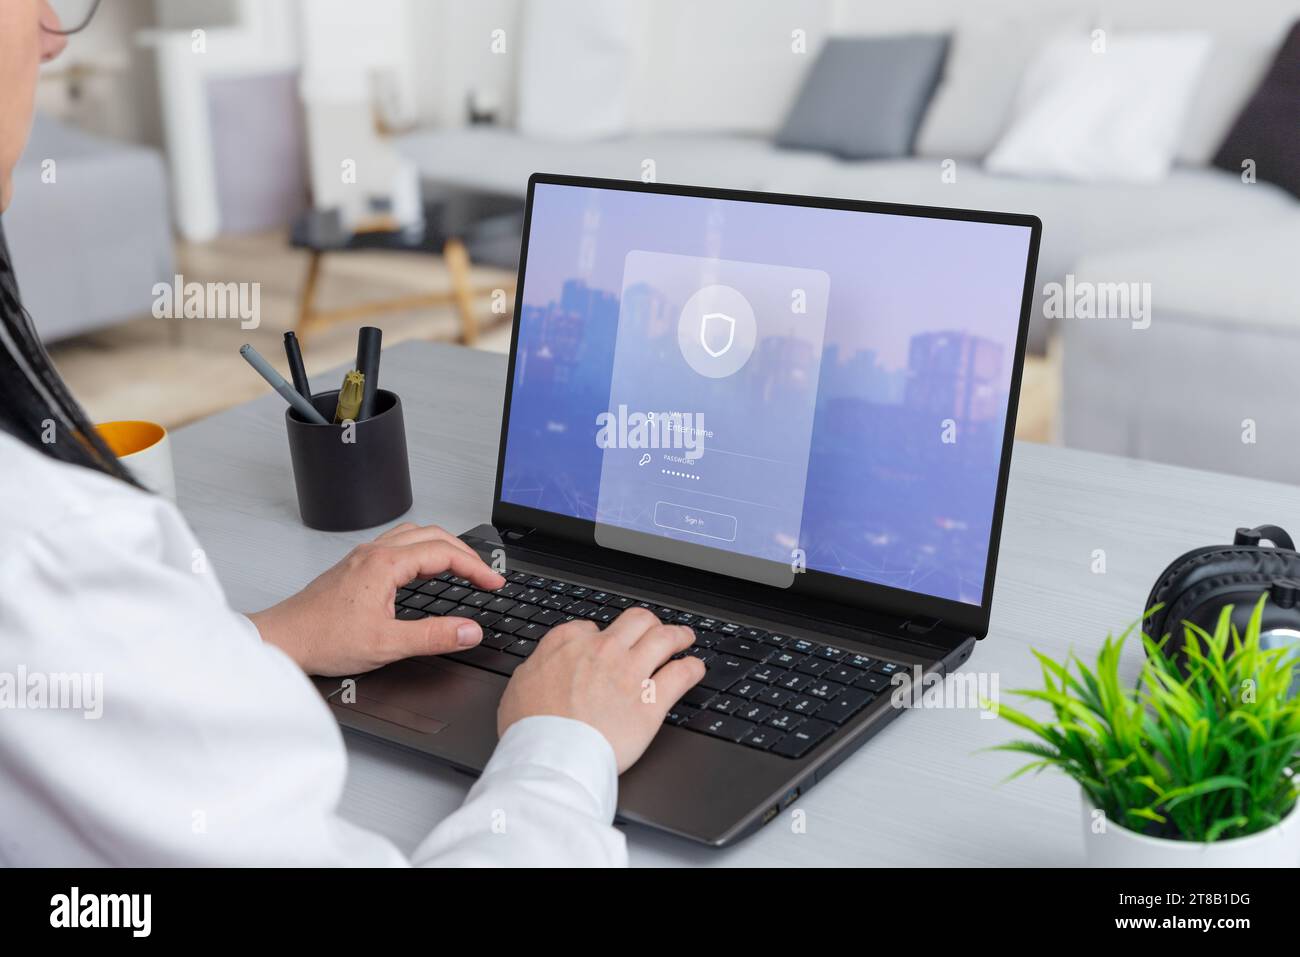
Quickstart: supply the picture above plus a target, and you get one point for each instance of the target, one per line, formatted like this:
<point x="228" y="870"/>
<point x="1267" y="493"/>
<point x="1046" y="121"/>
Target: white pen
<point x="281" y="385"/>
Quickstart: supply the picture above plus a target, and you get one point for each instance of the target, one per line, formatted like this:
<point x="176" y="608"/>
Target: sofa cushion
<point x="1113" y="114"/>
<point x="986" y="58"/>
<point x="1268" y="129"/>
<point x="501" y="160"/>
<point x="864" y="96"/>
<point x="1209" y="382"/>
<point x="1078" y="218"/>
<point x="1231" y="276"/>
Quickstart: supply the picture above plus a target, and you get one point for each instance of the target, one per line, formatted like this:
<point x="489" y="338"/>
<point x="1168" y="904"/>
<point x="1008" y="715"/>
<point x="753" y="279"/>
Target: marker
<point x="297" y="371"/>
<point x="263" y="368"/>
<point x="368" y="340"/>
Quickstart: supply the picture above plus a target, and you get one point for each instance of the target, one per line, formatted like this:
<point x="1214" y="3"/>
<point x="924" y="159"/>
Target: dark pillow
<point x="1268" y="129"/>
<point x="864" y="96"/>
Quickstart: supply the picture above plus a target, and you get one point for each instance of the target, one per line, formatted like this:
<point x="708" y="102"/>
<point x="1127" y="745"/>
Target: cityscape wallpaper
<point x="910" y="395"/>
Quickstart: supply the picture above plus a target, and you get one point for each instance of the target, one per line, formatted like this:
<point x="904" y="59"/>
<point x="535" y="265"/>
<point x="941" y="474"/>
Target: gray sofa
<point x="89" y="246"/>
<point x="1080" y="220"/>
<point x="1211" y="382"/>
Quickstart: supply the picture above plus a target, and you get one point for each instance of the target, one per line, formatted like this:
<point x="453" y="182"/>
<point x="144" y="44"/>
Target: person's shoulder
<point x="39" y="493"/>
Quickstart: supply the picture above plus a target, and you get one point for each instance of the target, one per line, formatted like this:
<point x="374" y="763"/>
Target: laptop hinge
<point x="921" y="626"/>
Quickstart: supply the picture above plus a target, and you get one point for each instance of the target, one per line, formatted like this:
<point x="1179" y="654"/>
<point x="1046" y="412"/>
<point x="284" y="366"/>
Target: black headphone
<point x="1197" y="586"/>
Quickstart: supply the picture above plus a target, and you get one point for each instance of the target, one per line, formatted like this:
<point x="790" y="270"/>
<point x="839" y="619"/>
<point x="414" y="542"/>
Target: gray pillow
<point x="864" y="96"/>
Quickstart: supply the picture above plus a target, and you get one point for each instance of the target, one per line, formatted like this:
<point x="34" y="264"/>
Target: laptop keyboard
<point x="761" y="689"/>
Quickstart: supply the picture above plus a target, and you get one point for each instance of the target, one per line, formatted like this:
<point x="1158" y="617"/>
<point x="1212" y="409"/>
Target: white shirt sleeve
<point x="212" y="748"/>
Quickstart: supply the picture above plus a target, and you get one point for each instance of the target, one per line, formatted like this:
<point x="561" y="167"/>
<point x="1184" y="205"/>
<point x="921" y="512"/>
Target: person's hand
<point x="342" y="623"/>
<point x="615" y="680"/>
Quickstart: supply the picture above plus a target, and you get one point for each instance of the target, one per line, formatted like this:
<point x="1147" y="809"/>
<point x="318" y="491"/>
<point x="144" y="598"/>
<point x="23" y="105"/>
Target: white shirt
<point x="211" y="747"/>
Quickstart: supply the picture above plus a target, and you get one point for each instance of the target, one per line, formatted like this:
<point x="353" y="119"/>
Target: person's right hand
<point x="615" y="680"/>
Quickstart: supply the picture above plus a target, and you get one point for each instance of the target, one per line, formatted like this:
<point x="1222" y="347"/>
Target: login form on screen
<point x="784" y="385"/>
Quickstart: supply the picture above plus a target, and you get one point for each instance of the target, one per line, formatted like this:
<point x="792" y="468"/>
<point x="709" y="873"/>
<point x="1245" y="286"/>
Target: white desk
<point x="919" y="793"/>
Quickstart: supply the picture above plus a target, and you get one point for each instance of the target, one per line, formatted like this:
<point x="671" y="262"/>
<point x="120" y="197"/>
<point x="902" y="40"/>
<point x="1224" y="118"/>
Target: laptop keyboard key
<point x="794" y="681"/>
<point x="785" y="721"/>
<point x="723" y="672"/>
<point x="725" y="704"/>
<point x="872" y="681"/>
<point x="496" y="639"/>
<point x="489" y="659"/>
<point x="761" y="738"/>
<point x="846" y="704"/>
<point x="697" y="697"/>
<point x="757" y="713"/>
<point x="521" y="647"/>
<point x="440" y="607"/>
<point x="532" y="631"/>
<point x="679" y="714"/>
<point x="410" y="614"/>
<point x="804" y="705"/>
<point x="813" y="666"/>
<point x="743" y="648"/>
<point x="803" y="738"/>
<point x="719" y="725"/>
<point x="826" y="690"/>
<point x="843" y="674"/>
<point x="774" y="697"/>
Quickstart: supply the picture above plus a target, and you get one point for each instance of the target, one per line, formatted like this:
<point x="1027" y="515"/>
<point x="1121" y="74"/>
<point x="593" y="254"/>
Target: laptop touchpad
<point x="404" y="693"/>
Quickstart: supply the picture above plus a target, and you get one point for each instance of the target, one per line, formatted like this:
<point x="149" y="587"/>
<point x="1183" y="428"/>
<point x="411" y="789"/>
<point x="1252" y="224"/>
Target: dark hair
<point x="35" y="404"/>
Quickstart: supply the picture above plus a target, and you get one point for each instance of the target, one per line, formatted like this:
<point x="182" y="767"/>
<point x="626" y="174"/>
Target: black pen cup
<point x="350" y="476"/>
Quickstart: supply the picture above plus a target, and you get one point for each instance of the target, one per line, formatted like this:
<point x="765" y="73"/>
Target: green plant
<point x="1204" y="749"/>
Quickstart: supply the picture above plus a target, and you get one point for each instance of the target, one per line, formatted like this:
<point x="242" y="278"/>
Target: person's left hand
<point x="342" y="623"/>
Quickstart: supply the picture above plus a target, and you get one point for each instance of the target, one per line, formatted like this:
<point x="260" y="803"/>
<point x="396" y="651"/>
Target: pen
<point x="263" y="368"/>
<point x="297" y="370"/>
<point x="368" y="340"/>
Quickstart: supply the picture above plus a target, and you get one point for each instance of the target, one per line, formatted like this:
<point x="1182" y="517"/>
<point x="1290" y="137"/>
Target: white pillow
<point x="1114" y="115"/>
<point x="576" y="68"/>
<point x="986" y="58"/>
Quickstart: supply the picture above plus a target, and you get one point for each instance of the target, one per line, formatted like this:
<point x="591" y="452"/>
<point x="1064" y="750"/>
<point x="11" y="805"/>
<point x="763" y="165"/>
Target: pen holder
<point x="346" y="485"/>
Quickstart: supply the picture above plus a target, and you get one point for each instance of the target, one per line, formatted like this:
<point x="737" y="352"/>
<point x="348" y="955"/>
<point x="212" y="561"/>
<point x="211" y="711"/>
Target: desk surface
<point x="921" y="792"/>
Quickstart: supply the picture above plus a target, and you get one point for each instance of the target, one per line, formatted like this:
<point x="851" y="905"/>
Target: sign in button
<point x="696" y="521"/>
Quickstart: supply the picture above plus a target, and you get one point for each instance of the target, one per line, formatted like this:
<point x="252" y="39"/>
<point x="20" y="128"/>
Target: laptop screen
<point x="761" y="388"/>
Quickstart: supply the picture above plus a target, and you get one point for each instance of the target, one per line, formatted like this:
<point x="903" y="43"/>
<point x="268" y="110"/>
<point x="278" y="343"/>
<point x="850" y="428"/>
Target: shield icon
<point x="723" y="325"/>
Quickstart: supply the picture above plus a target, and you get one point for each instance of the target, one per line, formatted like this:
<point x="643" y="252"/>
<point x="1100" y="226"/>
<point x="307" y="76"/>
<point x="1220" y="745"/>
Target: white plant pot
<point x="1107" y="844"/>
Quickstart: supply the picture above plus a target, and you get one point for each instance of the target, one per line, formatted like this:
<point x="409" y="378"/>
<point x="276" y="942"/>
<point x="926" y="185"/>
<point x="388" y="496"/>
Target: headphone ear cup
<point x="1216" y="573"/>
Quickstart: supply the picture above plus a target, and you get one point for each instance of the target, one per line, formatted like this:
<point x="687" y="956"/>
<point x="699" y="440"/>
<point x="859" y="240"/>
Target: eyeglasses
<point x="75" y="15"/>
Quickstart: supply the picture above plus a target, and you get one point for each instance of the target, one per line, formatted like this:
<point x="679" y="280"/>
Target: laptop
<point x="784" y="421"/>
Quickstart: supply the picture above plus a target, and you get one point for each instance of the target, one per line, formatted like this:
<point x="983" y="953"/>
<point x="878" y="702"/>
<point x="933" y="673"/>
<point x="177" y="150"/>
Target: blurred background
<point x="346" y="163"/>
